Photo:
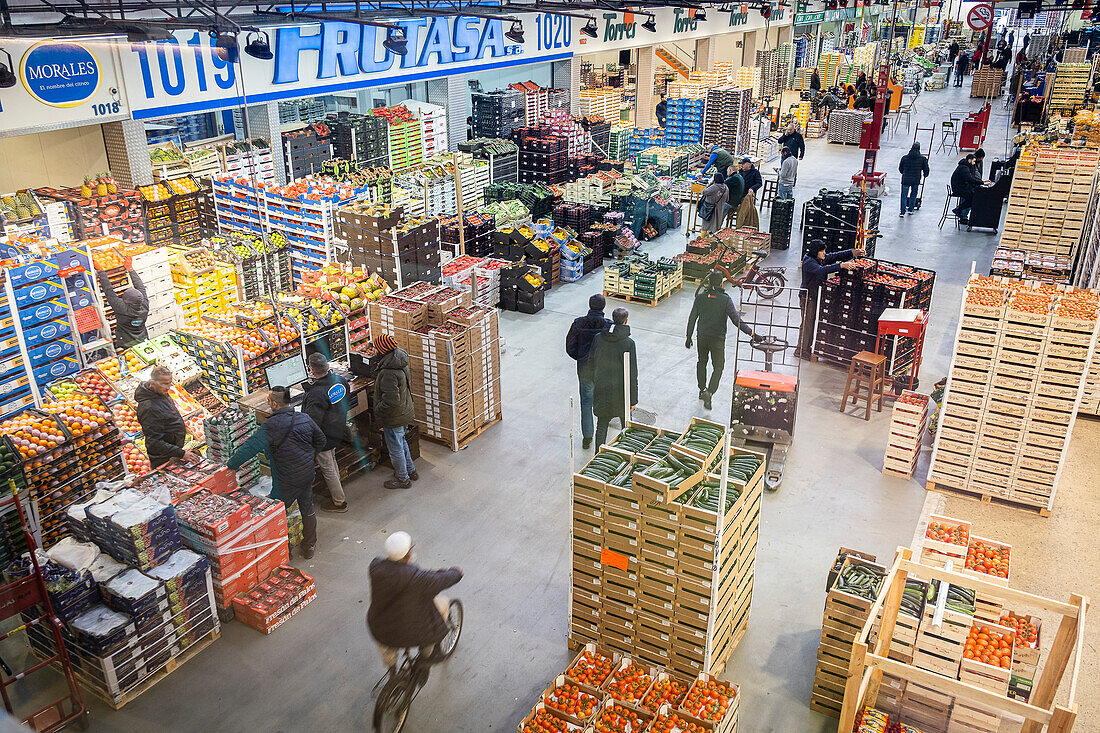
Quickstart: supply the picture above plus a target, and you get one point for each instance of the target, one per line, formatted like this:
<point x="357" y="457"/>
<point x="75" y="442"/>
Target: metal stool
<point x="949" y="210"/>
<point x="906" y="110"/>
<point x="867" y="369"/>
<point x="949" y="135"/>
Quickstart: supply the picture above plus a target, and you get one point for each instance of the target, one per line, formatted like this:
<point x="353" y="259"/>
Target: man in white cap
<point x="406" y="609"/>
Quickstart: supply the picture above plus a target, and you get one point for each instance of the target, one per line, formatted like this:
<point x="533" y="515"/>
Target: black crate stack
<point x="477" y="236"/>
<point x="497" y="114"/>
<point x="362" y="138"/>
<point x="583" y="165"/>
<point x="726" y="119"/>
<point x="306" y="150"/>
<point x="781" y="223"/>
<point x="599" y="130"/>
<point x="851" y="303"/>
<point x="543" y="158"/>
<point x="519" y="293"/>
<point x="373" y="236"/>
<point x="833" y="216"/>
<point x="503" y="157"/>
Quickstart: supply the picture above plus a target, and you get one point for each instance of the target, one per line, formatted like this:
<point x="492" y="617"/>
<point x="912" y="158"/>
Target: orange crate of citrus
<point x="33" y="432"/>
<point x="81" y="413"/>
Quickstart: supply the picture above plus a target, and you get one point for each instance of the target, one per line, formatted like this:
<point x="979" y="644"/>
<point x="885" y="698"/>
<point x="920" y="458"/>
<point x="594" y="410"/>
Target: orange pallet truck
<point x="29" y="594"/>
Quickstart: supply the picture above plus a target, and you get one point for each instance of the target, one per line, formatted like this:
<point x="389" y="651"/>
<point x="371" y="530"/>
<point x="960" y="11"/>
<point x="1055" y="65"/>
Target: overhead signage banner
<point x="62" y="82"/>
<point x="616" y="30"/>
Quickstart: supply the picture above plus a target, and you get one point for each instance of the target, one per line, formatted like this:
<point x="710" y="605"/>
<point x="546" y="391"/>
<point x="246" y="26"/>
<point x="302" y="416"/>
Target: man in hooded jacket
<point x="607" y="354"/>
<point x="913" y="167"/>
<point x="964" y="181"/>
<point x="131" y="309"/>
<point x="578" y="345"/>
<point x="393" y="408"/>
<point x="326" y="401"/>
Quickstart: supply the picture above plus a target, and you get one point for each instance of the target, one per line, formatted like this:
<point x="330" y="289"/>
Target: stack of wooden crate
<point x="644" y="554"/>
<point x="908" y="422"/>
<point x="842" y="622"/>
<point x="1022" y="354"/>
<point x="987" y="82"/>
<point x="1050" y="194"/>
<point x="1071" y="82"/>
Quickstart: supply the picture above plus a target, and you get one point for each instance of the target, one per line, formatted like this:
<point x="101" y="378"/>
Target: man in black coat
<point x="752" y="177"/>
<point x="964" y="181"/>
<point x="815" y="81"/>
<point x="406" y="609"/>
<point x="326" y="401"/>
<point x="662" y="110"/>
<point x="711" y="308"/>
<point x="292" y="441"/>
<point x="607" y="355"/>
<point x="394" y="409"/>
<point x="793" y="139"/>
<point x="131" y="309"/>
<point x="913" y="167"/>
<point x="816" y="268"/>
<point x="160" y="419"/>
<point x="578" y="345"/>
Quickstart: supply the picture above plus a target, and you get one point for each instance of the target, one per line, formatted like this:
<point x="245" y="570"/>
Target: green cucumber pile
<point x="625" y="478"/>
<point x="672" y="470"/>
<point x="709" y="491"/>
<point x="960" y="600"/>
<point x="742" y="467"/>
<point x="633" y="440"/>
<point x="860" y="580"/>
<point x="604" y="467"/>
<point x="661" y="445"/>
<point x="702" y="438"/>
<point x="912" y="598"/>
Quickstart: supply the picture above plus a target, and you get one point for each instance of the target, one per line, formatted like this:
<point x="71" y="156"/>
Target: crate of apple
<point x="33" y="433"/>
<point x="62" y="387"/>
<point x="710" y="699"/>
<point x="568" y="698"/>
<point x="92" y="382"/>
<point x="136" y="461"/>
<point x="126" y="419"/>
<point x="80" y="412"/>
<point x="630" y="681"/>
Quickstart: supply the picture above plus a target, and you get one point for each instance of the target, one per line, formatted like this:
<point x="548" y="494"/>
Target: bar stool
<point x="949" y="135"/>
<point x="948" y="210"/>
<point x="867" y="369"/>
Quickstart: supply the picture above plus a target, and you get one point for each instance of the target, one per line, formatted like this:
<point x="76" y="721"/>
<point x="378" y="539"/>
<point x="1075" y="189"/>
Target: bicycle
<point x="400" y="688"/>
<point x="766" y="282"/>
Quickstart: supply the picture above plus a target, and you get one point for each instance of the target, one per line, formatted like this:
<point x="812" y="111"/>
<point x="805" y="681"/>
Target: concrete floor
<point x="500" y="509"/>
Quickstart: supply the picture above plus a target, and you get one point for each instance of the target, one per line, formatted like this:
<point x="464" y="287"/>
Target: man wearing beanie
<point x="393" y="408"/>
<point x="578" y="344"/>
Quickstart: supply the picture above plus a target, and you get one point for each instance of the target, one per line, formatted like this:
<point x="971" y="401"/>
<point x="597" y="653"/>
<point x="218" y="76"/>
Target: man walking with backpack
<point x="326" y="401"/>
<point x="578" y="344"/>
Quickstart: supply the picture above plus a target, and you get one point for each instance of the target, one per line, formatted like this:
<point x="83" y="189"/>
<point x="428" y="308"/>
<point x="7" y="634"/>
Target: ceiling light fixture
<point x="259" y="47"/>
<point x="225" y="46"/>
<point x="515" y="33"/>
<point x="701" y="14"/>
<point x="590" y="29"/>
<point x="7" y="78"/>
<point x="651" y="24"/>
<point x="395" y="41"/>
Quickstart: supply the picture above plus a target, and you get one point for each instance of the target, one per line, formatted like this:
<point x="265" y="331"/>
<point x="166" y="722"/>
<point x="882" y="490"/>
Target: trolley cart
<point x="925" y="151"/>
<point x="29" y="594"/>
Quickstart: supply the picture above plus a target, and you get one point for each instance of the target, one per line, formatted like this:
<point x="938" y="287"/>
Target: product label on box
<point x="42" y="312"/>
<point x="37" y="335"/>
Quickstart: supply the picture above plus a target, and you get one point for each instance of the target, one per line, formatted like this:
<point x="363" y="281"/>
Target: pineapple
<point x="101" y="185"/>
<point x="86" y="189"/>
<point x="112" y="184"/>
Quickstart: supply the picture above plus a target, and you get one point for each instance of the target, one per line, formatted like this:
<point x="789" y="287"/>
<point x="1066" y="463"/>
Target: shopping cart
<point x="28" y="594"/>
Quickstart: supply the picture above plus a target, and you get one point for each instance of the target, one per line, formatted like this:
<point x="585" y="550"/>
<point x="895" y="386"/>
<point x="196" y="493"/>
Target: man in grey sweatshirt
<point x="788" y="174"/>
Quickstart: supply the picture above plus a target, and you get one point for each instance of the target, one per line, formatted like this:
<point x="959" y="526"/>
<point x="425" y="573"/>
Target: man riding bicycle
<point x="406" y="609"/>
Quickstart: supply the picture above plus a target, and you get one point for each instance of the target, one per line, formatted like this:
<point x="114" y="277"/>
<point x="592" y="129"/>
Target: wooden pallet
<point x="986" y="498"/>
<point x="641" y="301"/>
<point x="465" y="441"/>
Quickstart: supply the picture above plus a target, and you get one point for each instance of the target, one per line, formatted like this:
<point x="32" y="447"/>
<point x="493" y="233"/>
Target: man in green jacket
<point x="609" y="389"/>
<point x="711" y="308"/>
<point x="393" y="408"/>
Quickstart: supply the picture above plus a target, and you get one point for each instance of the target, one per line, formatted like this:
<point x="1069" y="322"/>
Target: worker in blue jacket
<point x="816" y="268"/>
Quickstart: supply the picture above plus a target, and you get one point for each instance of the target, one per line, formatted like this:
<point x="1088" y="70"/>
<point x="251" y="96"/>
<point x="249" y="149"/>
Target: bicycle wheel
<point x="770" y="284"/>
<point x="454" y="630"/>
<point x="392" y="707"/>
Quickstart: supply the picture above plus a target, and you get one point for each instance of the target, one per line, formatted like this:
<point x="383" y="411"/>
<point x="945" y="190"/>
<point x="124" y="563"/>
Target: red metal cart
<point x="28" y="593"/>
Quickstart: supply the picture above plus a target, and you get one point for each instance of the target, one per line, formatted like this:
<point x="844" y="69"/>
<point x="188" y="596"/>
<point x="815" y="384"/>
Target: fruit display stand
<point x="908" y="421"/>
<point x="655" y="574"/>
<point x="602" y="690"/>
<point x="1050" y="195"/>
<point x="1071" y="83"/>
<point x="200" y="283"/>
<point x="403" y="249"/>
<point x="1021" y="357"/>
<point x="102" y="213"/>
<point x="979" y="701"/>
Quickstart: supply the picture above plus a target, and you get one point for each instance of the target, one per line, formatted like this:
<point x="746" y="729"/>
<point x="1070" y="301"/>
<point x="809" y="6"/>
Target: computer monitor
<point x="287" y="373"/>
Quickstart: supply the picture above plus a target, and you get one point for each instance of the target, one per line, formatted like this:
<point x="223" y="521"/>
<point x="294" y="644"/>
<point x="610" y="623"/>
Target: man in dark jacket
<point x="662" y="110"/>
<point x="607" y="355"/>
<point x="793" y="139"/>
<point x="578" y="344"/>
<point x="393" y="408"/>
<point x="326" y="401"/>
<point x="736" y="185"/>
<point x="161" y="422"/>
<point x="711" y="308"/>
<point x="964" y="181"/>
<point x="962" y="64"/>
<point x="131" y="308"/>
<point x="719" y="158"/>
<point x="815" y="81"/>
<point x="406" y="609"/>
<point x="753" y="180"/>
<point x="913" y="167"/>
<point x="816" y="267"/>
<point x="292" y="441"/>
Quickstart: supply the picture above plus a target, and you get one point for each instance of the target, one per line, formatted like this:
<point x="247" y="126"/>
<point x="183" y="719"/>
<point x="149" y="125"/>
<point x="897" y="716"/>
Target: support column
<point x="748" y="48"/>
<point x="786" y="33"/>
<point x="262" y="120"/>
<point x="451" y="93"/>
<point x="704" y="54"/>
<point x="128" y="153"/>
<point x="567" y="75"/>
<point x="644" y="111"/>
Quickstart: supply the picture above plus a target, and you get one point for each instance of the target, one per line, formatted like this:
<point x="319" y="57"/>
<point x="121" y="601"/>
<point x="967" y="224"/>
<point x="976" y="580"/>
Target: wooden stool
<point x="867" y="369"/>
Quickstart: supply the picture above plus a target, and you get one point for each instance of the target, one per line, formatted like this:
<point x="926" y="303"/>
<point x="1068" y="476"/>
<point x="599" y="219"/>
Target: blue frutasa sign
<point x="60" y="74"/>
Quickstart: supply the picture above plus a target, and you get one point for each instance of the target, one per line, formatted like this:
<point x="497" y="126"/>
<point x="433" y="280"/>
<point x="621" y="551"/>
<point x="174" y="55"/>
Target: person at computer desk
<point x="326" y="401"/>
<point x="161" y="422"/>
<point x="292" y="441"/>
